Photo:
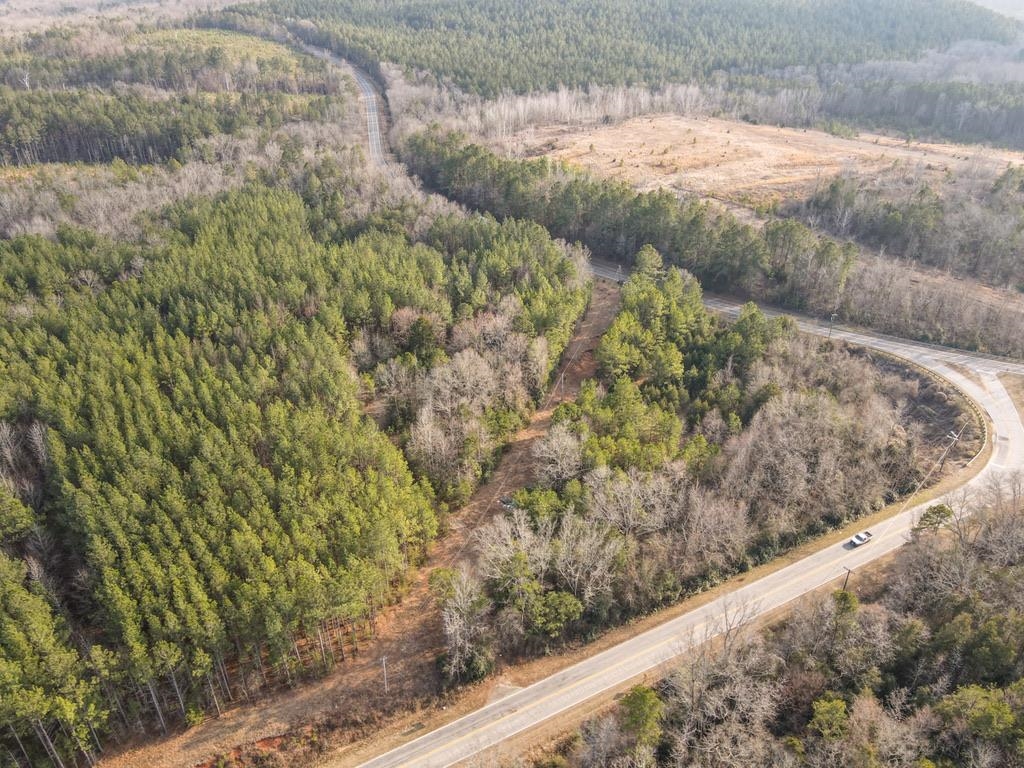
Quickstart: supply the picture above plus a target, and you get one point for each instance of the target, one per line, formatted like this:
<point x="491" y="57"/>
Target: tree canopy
<point x="540" y="45"/>
<point x="189" y="479"/>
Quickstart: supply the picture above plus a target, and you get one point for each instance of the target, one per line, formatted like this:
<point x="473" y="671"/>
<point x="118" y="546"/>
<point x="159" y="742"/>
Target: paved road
<point x="489" y="726"/>
<point x="908" y="349"/>
<point x="368" y="95"/>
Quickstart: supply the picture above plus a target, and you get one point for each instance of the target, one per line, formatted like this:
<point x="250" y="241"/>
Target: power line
<point x="954" y="438"/>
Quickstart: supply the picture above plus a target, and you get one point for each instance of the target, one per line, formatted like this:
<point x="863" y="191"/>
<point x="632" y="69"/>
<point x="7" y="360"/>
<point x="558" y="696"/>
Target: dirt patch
<point x="747" y="164"/>
<point x="516" y="469"/>
<point x="350" y="705"/>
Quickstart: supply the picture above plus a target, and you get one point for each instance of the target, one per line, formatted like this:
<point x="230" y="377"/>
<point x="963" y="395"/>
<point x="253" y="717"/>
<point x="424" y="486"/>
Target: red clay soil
<point x="350" y="703"/>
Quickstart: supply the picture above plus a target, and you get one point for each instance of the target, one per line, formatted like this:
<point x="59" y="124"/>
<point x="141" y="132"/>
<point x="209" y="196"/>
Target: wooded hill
<point x="196" y="506"/>
<point x="490" y="47"/>
<point x="949" y="69"/>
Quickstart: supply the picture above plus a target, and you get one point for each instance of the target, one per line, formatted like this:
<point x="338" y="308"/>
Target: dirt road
<point x="481" y="732"/>
<point x="350" y="703"/>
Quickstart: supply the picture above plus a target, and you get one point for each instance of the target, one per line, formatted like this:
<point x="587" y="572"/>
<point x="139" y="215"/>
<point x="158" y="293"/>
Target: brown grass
<point x="744" y="167"/>
<point x="747" y="164"/>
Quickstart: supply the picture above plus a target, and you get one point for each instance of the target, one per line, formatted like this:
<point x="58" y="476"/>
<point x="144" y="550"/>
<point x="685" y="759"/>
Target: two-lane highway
<point x="489" y="726"/>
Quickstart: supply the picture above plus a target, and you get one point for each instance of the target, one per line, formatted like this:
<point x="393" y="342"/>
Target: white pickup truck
<point x="860" y="538"/>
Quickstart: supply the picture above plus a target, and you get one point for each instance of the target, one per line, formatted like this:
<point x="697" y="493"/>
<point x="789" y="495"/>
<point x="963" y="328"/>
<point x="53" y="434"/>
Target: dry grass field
<point x="747" y="164"/>
<point x="746" y="167"/>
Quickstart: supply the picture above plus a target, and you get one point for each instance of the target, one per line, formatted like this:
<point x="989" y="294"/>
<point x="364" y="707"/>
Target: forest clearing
<point x="745" y="163"/>
<point x="310" y="453"/>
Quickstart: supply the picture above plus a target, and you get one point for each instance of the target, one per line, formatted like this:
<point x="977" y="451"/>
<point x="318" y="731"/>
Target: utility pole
<point x="847" y="579"/>
<point x="954" y="438"/>
<point x="384" y="662"/>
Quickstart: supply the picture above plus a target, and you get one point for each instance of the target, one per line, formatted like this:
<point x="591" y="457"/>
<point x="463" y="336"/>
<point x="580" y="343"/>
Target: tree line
<point x="174" y="59"/>
<point x="150" y="103"/>
<point x="974" y="229"/>
<point x="781" y="261"/>
<point x="961" y="111"/>
<point x="539" y="46"/>
<point x="291" y="122"/>
<point x="46" y="127"/>
<point x="946" y="71"/>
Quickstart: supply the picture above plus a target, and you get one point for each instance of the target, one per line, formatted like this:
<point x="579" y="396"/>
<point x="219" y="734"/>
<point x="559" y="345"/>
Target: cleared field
<point x="234" y="45"/>
<point x="748" y="164"/>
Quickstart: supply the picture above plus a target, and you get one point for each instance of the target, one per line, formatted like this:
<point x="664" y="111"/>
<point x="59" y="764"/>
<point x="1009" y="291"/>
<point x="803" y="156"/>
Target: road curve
<point x="486" y="728"/>
<point x="367" y="95"/>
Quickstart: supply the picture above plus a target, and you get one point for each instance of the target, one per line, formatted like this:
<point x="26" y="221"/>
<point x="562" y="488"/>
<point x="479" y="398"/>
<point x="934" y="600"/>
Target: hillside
<point x="541" y="45"/>
<point x="274" y="408"/>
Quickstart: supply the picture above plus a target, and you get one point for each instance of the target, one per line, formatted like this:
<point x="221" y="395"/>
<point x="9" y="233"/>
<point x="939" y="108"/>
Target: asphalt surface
<point x="489" y="726"/>
<point x="369" y="97"/>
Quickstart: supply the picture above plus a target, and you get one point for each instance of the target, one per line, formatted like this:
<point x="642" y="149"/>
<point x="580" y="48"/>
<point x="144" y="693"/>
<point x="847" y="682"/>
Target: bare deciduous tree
<point x="464" y="614"/>
<point x="584" y="558"/>
<point x="559" y="456"/>
<point x="634" y="503"/>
